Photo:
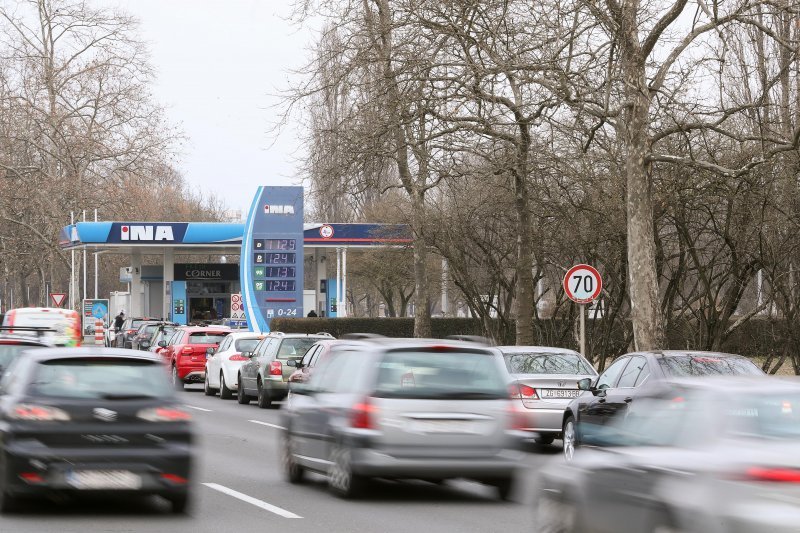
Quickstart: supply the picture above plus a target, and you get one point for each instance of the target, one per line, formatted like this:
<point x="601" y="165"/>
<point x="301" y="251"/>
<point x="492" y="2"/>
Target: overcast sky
<point x="219" y="62"/>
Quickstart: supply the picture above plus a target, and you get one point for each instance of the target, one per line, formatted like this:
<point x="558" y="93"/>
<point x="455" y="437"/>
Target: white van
<point x="64" y="323"/>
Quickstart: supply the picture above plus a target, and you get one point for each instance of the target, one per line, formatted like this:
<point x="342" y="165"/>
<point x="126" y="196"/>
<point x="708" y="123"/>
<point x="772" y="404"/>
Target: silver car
<point x="543" y="382"/>
<point x="403" y="409"/>
<point x="717" y="455"/>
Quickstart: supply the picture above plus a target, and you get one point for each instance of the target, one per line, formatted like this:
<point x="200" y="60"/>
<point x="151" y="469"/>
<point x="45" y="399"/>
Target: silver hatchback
<point x="403" y="409"/>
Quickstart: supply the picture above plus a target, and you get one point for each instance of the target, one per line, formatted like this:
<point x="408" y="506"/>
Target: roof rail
<point x="325" y="333"/>
<point x="279" y="333"/>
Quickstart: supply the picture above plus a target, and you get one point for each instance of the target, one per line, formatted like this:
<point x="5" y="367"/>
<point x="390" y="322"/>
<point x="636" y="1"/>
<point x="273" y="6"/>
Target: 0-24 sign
<point x="583" y="284"/>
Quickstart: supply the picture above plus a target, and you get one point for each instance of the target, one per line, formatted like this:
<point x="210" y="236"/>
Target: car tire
<point x="341" y="480"/>
<point x="207" y="390"/>
<point x="570" y="440"/>
<point x="179" y="503"/>
<point x="224" y="392"/>
<point x="264" y="398"/>
<point x="241" y="397"/>
<point x="177" y="382"/>
<point x="545" y="440"/>
<point x="293" y="472"/>
<point x="505" y="487"/>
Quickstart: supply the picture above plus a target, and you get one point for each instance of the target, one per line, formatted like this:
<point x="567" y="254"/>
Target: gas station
<point x="274" y="247"/>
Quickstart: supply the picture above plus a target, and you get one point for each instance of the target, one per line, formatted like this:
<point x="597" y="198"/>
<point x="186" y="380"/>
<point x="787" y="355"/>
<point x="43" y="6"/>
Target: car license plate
<point x="104" y="479"/>
<point x="559" y="393"/>
<point x="444" y="426"/>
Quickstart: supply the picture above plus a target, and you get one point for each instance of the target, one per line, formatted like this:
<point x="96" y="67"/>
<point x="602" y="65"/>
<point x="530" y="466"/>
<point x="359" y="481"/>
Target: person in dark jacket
<point x="119" y="320"/>
<point x="312" y="314"/>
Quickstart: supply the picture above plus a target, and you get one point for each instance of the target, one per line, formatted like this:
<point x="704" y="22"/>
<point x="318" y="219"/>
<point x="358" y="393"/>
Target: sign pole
<point x="582" y="308"/>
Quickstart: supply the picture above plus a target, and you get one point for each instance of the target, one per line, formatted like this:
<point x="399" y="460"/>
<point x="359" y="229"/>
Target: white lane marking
<point x="199" y="408"/>
<point x="253" y="501"/>
<point x="276" y="426"/>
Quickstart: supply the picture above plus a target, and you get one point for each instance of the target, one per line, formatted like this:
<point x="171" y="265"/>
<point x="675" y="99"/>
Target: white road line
<point x="199" y="408"/>
<point x="253" y="501"/>
<point x="276" y="426"/>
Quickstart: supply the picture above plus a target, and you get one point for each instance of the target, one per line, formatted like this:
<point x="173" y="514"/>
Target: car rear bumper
<point x="542" y="419"/>
<point x="192" y="375"/>
<point x="374" y="463"/>
<point x="159" y="471"/>
<point x="278" y="389"/>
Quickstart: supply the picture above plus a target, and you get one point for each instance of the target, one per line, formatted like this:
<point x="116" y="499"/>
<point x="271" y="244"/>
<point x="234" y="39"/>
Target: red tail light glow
<point x="520" y="390"/>
<point x="172" y="478"/>
<point x="517" y="418"/>
<point x="131" y="331"/>
<point x="237" y="357"/>
<point x="31" y="478"/>
<point x="164" y="414"/>
<point x="363" y="415"/>
<point x="276" y="368"/>
<point x="776" y="475"/>
<point x="38" y="413"/>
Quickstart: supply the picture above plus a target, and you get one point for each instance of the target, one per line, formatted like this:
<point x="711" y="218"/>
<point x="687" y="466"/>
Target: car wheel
<point x="180" y="503"/>
<point x="207" y="390"/>
<point x="341" y="479"/>
<point x="293" y="472"/>
<point x="177" y="383"/>
<point x="241" y="397"/>
<point x="504" y="486"/>
<point x="264" y="399"/>
<point x="569" y="438"/>
<point x="224" y="392"/>
<point x="545" y="440"/>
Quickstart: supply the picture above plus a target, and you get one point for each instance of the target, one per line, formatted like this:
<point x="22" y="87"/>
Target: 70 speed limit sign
<point x="583" y="284"/>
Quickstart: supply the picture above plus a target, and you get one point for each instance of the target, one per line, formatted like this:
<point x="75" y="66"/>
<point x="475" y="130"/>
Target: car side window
<point x="224" y="345"/>
<point x="644" y="375"/>
<point x="272" y="349"/>
<point x="331" y="374"/>
<point x="628" y="377"/>
<point x="175" y="338"/>
<point x="306" y="360"/>
<point x="608" y="378"/>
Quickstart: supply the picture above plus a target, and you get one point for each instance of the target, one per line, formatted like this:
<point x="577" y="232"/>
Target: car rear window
<point x="149" y="329"/>
<point x="94" y="378"/>
<point x="707" y="365"/>
<point x="246" y="345"/>
<point x="206" y="338"/>
<point x="291" y="348"/>
<point x="546" y="363"/>
<point x="440" y="375"/>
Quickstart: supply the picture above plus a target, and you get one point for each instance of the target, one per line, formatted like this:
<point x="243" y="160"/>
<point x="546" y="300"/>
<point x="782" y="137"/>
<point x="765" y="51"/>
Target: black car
<point x="129" y="329"/>
<point x="102" y="420"/>
<point x="635" y="375"/>
<point x="142" y="340"/>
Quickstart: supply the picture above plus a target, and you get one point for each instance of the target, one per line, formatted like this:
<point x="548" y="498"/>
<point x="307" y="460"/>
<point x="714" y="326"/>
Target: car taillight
<point x="164" y="414"/>
<point x="519" y="390"/>
<point x="38" y="413"/>
<point x="517" y="420"/>
<point x="776" y="475"/>
<point x="131" y="331"/>
<point x="276" y="368"/>
<point x="363" y="415"/>
<point x="237" y="357"/>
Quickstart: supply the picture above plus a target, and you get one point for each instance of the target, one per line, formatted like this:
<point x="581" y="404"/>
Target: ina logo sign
<point x="146" y="233"/>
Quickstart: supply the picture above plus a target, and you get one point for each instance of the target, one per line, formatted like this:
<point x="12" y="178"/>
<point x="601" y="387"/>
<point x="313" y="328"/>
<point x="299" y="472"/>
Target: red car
<point x="185" y="352"/>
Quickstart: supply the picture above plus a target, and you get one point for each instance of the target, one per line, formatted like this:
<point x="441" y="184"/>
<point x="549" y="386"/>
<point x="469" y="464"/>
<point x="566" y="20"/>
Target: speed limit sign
<point x="583" y="284"/>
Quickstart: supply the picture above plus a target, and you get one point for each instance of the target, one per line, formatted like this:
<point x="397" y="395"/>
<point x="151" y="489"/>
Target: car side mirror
<point x="144" y="345"/>
<point x="292" y="363"/>
<point x="249" y="355"/>
<point x="585" y="384"/>
<point x="162" y="344"/>
<point x="210" y="352"/>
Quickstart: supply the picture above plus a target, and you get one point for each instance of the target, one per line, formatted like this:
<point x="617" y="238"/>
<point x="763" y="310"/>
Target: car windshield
<point x="440" y="375"/>
<point x="203" y="337"/>
<point x="291" y="348"/>
<point x="707" y="365"/>
<point x="246" y="345"/>
<point x="546" y="363"/>
<point x="99" y="378"/>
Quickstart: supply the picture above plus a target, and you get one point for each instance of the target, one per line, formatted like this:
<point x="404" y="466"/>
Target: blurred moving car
<point x="185" y="352"/>
<point x="710" y="456"/>
<point x="403" y="409"/>
<point x="223" y="364"/>
<point x="640" y="374"/>
<point x="318" y="352"/>
<point x="63" y="325"/>
<point x="92" y="420"/>
<point x="13" y="344"/>
<point x="130" y="327"/>
<point x="265" y="375"/>
<point x="544" y="381"/>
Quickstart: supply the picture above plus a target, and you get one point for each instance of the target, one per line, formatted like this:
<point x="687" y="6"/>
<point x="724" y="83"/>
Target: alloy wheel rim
<point x="569" y="441"/>
<point x="340" y="473"/>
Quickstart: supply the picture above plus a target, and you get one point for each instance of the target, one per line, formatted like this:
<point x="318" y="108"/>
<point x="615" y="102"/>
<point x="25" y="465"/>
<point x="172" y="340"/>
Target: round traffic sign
<point x="583" y="284"/>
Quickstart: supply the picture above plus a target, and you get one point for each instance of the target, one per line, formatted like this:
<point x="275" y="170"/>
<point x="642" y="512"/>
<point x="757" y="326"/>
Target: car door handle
<point x="629" y="399"/>
<point x="601" y="400"/>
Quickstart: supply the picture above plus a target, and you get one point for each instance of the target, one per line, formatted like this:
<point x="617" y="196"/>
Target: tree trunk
<point x="524" y="289"/>
<point x="422" y="314"/>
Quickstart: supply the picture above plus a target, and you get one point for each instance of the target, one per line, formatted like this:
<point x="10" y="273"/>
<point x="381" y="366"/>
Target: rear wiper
<point x="115" y="396"/>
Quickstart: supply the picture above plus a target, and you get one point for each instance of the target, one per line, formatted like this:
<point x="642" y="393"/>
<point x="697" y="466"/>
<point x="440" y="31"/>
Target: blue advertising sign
<point x="271" y="265"/>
